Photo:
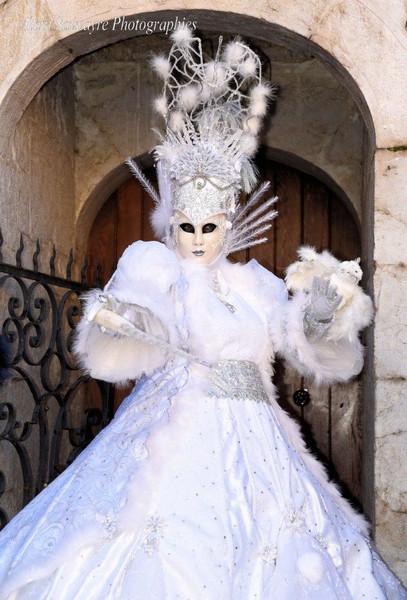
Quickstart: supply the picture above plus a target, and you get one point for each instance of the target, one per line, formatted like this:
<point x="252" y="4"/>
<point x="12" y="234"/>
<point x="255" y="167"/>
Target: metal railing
<point x="49" y="410"/>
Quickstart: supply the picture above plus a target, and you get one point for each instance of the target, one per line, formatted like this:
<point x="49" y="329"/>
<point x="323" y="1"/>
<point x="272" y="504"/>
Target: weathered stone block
<point x="391" y="207"/>
<point x="390" y="331"/>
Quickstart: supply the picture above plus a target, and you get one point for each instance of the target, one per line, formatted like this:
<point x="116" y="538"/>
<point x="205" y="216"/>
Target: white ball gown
<point x="200" y="487"/>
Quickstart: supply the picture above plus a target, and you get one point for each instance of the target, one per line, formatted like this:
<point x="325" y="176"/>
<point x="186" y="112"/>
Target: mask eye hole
<point x="187" y="227"/>
<point x="209" y="227"/>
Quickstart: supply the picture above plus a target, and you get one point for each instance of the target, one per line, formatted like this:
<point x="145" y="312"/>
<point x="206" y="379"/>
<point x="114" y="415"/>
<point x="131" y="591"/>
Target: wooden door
<point x="309" y="213"/>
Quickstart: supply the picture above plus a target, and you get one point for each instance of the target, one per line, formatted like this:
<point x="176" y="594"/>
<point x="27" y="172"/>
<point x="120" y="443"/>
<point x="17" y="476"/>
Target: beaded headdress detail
<point x="213" y="111"/>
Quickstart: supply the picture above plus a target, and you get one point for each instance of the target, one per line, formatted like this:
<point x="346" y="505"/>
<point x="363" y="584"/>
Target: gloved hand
<point x="139" y="316"/>
<point x="109" y="302"/>
<point x="320" y="309"/>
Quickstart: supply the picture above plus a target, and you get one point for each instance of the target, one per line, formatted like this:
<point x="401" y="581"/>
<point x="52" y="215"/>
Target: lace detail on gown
<point x="85" y="502"/>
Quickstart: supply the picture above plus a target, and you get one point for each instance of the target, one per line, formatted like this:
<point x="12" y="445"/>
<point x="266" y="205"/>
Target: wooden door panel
<point x="102" y="243"/>
<point x="316" y="216"/>
<point x="288" y="225"/>
<point x="130" y="209"/>
<point x="345" y="239"/>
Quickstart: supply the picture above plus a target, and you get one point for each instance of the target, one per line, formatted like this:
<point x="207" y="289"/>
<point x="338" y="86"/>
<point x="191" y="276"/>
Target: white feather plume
<point x="161" y="66"/>
<point x="161" y="105"/>
<point x="160" y="217"/>
<point x="234" y="52"/>
<point x="252" y="125"/>
<point x="138" y="173"/>
<point x="249" y="224"/>
<point x="258" y="100"/>
<point x="182" y="36"/>
<point x="189" y="97"/>
<point x="176" y="120"/>
<point x="248" y="67"/>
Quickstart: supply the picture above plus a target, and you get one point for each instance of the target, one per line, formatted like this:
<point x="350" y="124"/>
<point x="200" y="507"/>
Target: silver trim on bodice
<point x="236" y="379"/>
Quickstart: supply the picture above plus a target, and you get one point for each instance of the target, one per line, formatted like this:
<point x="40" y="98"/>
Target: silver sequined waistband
<point x="236" y="379"/>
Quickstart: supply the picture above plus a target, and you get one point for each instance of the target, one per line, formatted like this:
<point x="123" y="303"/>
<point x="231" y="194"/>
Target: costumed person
<point x="201" y="487"/>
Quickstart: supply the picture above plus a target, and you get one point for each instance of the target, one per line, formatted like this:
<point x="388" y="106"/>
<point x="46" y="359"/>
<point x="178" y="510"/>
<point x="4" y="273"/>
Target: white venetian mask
<point x="202" y="242"/>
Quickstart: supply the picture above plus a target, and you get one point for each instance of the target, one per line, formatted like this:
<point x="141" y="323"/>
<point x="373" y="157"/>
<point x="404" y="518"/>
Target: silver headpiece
<point x="213" y="112"/>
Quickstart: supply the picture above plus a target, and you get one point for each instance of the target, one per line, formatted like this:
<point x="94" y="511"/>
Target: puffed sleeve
<point x="337" y="356"/>
<point x="145" y="276"/>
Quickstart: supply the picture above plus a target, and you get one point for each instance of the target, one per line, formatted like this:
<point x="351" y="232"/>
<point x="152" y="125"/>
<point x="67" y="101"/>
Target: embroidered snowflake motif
<point x="321" y="540"/>
<point x="269" y="554"/>
<point x="295" y="519"/>
<point x="108" y="522"/>
<point x="153" y="533"/>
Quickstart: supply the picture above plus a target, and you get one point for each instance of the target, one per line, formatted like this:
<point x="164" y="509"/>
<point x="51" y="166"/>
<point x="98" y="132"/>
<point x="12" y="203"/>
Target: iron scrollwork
<point x="49" y="410"/>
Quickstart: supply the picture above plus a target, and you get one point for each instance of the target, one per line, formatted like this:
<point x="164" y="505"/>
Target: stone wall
<point x="38" y="176"/>
<point x="390" y="338"/>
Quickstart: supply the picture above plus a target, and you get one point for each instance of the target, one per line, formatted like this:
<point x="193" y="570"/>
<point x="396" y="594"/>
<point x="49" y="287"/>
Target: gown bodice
<point x="223" y="321"/>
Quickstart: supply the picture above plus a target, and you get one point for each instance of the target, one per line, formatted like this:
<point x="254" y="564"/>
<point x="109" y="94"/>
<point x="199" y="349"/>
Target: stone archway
<point x="365" y="50"/>
<point x="63" y="46"/>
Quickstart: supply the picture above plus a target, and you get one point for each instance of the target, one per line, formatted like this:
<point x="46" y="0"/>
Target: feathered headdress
<point x="213" y="112"/>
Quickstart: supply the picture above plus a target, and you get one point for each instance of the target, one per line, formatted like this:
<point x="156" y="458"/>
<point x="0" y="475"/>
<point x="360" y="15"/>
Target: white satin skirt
<point x="193" y="492"/>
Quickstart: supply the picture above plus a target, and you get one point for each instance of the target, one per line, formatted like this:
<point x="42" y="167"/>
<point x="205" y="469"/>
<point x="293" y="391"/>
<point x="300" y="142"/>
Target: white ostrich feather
<point x="176" y="121"/>
<point x="161" y="66"/>
<point x="307" y="253"/>
<point x="258" y="107"/>
<point x="161" y="106"/>
<point x="248" y="67"/>
<point x="259" y="95"/>
<point x="189" y="97"/>
<point x="234" y="52"/>
<point x="182" y="36"/>
<point x="252" y="125"/>
<point x="249" y="224"/>
<point x="160" y="217"/>
<point x="248" y="144"/>
<point x="261" y="91"/>
<point x="138" y="173"/>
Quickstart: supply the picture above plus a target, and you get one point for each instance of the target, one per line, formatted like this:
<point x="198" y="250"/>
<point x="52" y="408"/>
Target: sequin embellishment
<point x="236" y="379"/>
<point x="108" y="523"/>
<point x="153" y="533"/>
<point x="269" y="554"/>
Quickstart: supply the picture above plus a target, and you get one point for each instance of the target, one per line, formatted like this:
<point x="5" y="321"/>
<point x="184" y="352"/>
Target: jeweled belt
<point x="236" y="379"/>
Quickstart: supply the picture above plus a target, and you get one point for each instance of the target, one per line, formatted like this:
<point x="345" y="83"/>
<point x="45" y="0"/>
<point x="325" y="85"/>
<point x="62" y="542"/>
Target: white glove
<point x="320" y="309"/>
<point x="125" y="313"/>
<point x="108" y="302"/>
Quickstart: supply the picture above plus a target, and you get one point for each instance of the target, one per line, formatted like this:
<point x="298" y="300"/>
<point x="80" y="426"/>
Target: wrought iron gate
<point x="49" y="410"/>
